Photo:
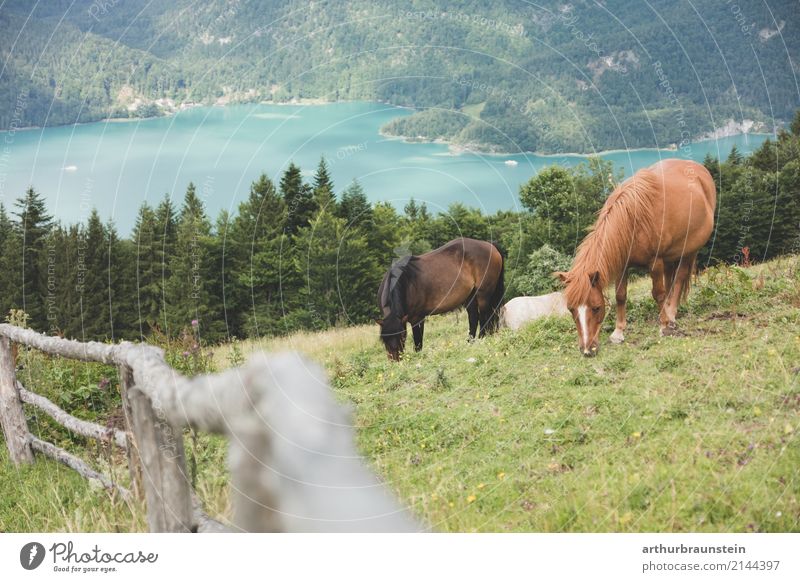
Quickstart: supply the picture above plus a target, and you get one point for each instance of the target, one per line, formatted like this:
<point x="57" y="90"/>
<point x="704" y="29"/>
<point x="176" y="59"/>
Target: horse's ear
<point x="379" y="321"/>
<point x="594" y="278"/>
<point x="561" y="276"/>
<point x="404" y="319"/>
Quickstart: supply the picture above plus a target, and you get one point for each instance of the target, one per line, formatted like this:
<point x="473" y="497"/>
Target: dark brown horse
<point x="464" y="272"/>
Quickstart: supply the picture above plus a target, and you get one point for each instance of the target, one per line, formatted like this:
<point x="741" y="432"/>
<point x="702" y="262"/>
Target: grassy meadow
<point x="518" y="432"/>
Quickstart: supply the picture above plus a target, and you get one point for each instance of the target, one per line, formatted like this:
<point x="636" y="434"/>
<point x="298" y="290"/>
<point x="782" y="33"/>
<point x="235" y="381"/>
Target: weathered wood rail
<point x="292" y="457"/>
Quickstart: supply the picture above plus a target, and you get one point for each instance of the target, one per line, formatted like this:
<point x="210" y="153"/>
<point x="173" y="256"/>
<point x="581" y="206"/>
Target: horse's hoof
<point x="617" y="337"/>
<point x="671" y="330"/>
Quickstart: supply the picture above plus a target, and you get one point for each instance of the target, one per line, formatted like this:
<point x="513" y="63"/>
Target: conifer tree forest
<point x="299" y="255"/>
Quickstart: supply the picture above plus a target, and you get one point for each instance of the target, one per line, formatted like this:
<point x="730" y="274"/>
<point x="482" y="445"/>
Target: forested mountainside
<point x="507" y="75"/>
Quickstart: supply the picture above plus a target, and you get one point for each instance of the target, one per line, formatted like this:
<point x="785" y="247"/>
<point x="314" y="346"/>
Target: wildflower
<point x="103" y="384"/>
<point x="501" y="475"/>
<point x="471" y="498"/>
<point x="195" y="323"/>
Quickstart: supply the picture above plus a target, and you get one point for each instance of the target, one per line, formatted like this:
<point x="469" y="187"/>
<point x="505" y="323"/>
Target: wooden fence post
<point x="134" y="460"/>
<point x="160" y="445"/>
<point x="12" y="417"/>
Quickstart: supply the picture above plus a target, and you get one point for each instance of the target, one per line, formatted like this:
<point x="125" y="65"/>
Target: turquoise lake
<point x="115" y="166"/>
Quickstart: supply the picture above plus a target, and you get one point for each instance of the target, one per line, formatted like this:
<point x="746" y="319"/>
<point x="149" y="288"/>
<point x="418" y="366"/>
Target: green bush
<point x="536" y="278"/>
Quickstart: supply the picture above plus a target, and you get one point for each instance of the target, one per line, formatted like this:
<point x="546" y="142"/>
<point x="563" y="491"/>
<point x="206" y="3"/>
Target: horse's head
<point x="393" y="334"/>
<point x="587" y="304"/>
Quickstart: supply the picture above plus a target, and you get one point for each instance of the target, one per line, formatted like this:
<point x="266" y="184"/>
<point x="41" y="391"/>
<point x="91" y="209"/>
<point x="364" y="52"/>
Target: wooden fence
<point x="292" y="457"/>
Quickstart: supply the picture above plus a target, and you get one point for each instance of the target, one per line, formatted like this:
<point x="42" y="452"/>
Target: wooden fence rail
<point x="292" y="457"/>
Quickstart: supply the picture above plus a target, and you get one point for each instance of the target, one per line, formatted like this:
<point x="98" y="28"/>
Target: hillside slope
<point x="511" y="76"/>
<point x="518" y="432"/>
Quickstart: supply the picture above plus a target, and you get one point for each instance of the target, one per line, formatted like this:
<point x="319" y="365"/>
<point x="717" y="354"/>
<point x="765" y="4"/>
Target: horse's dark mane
<point x="402" y="273"/>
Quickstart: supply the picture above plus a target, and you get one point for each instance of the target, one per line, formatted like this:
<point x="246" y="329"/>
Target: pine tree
<point x="10" y="265"/>
<point x="340" y="273"/>
<point x="121" y="284"/>
<point x="354" y="207"/>
<point x="95" y="316"/>
<point x="735" y="158"/>
<point x="165" y="239"/>
<point x="147" y="270"/>
<point x="68" y="242"/>
<point x="34" y="226"/>
<point x="254" y="246"/>
<point x="299" y="199"/>
<point x="189" y="289"/>
<point x="323" y="187"/>
<point x="795" y="125"/>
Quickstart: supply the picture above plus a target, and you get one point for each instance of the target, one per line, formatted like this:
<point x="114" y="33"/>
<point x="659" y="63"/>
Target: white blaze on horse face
<point x="584" y="324"/>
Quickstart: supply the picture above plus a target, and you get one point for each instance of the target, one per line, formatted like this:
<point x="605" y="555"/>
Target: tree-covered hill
<point x="509" y="75"/>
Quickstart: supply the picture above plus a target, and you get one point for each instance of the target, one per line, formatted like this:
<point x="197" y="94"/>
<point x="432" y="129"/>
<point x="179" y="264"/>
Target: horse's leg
<point x="683" y="270"/>
<point x="659" y="289"/>
<point x="622" y="297"/>
<point x="418" y="329"/>
<point x="472" y="313"/>
<point x="483" y="313"/>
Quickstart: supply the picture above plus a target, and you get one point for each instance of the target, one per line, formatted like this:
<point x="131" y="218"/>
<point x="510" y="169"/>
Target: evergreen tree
<point x="95" y="317"/>
<point x="165" y="239"/>
<point x="795" y="125"/>
<point x="340" y="273"/>
<point x="252" y="260"/>
<point x="323" y="187"/>
<point x="120" y="284"/>
<point x="419" y="229"/>
<point x="735" y="158"/>
<point x="70" y="247"/>
<point x="189" y="289"/>
<point x="10" y="265"/>
<point x="354" y="207"/>
<point x="147" y="270"/>
<point x="34" y="225"/>
<point x="299" y="199"/>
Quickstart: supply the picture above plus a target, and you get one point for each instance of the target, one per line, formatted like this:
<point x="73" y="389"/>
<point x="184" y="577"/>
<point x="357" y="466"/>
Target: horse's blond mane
<point x="606" y="249"/>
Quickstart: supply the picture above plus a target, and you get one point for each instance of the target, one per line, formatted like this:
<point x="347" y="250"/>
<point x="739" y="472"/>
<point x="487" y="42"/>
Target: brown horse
<point x="658" y="220"/>
<point x="464" y="272"/>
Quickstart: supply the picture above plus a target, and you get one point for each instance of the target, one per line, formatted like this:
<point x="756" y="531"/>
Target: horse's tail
<point x="497" y="296"/>
<point x="687" y="285"/>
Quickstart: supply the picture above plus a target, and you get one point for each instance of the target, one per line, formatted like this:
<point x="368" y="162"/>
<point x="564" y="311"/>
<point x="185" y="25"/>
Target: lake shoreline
<point x="454" y="150"/>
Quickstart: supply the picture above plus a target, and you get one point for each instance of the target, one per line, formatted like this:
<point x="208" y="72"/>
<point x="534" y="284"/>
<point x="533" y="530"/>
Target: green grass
<point x="518" y="432"/>
<point x="47" y="496"/>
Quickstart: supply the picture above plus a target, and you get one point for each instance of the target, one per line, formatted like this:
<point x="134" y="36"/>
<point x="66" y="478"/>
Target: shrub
<point x="536" y="278"/>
